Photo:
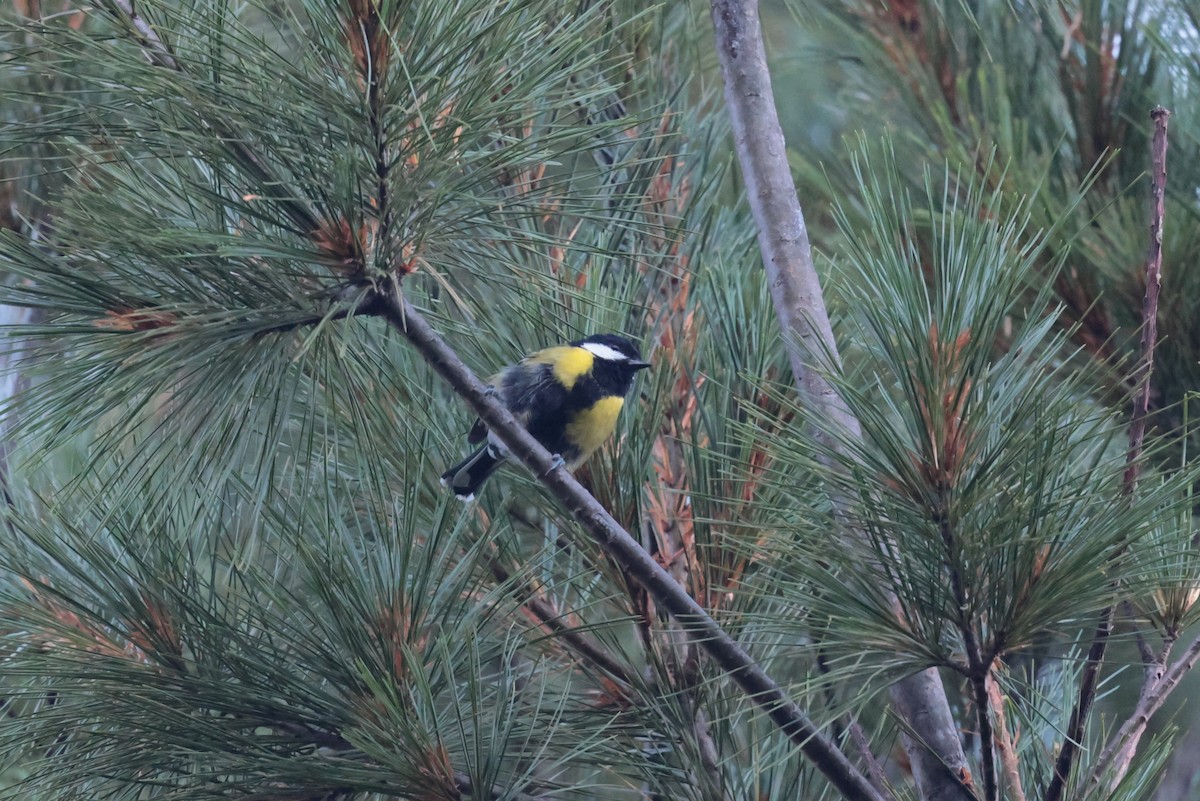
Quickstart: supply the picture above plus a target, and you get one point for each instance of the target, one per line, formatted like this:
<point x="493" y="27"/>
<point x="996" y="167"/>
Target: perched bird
<point x="567" y="396"/>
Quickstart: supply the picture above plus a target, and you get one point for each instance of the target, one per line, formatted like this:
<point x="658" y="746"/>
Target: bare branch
<point x="623" y="548"/>
<point x="1088" y="683"/>
<point x="857" y="736"/>
<point x="782" y="236"/>
<point x="1141" y="403"/>
<point x="874" y="769"/>
<point x="152" y="44"/>
<point x="1157" y="684"/>
<point x="939" y="764"/>
<point x="1137" y="431"/>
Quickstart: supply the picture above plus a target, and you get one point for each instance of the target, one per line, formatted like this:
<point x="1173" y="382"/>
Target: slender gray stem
<point x="1137" y="431"/>
<point x="782" y="236"/>
<point x="1088" y="683"/>
<point x="1158" y="681"/>
<point x="937" y="758"/>
<point x="642" y="567"/>
<point x="1158" y="684"/>
<point x="874" y="769"/>
<point x="1141" y="403"/>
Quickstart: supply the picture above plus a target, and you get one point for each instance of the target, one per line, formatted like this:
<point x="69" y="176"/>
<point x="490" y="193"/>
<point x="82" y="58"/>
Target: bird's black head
<point x="616" y="361"/>
<point x="613" y="349"/>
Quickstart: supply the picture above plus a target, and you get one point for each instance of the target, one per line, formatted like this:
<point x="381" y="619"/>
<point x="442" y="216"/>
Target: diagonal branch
<point x="153" y="46"/>
<point x="857" y="736"/>
<point x="938" y="762"/>
<point x="1123" y="745"/>
<point x="1158" y="682"/>
<point x="553" y="622"/>
<point x="596" y="520"/>
<point x="1087" y="694"/>
<point x="1137" y="431"/>
<point x="874" y="769"/>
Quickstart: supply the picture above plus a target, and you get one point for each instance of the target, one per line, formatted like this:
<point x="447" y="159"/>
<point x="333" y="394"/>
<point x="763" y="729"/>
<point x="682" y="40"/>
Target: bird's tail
<point x="466" y="477"/>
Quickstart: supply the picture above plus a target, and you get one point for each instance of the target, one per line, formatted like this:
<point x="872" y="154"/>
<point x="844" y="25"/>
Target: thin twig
<point x="874" y="769"/>
<point x="938" y="761"/>
<point x="1005" y="744"/>
<point x="857" y="735"/>
<point x="1123" y="746"/>
<point x="1145" y="368"/>
<point x="977" y="670"/>
<point x="1083" y="705"/>
<point x="1143" y="647"/>
<point x="1137" y="431"/>
<point x="366" y="305"/>
<point x="553" y="621"/>
<point x="624" y="549"/>
<point x="152" y="44"/>
<point x="706" y="746"/>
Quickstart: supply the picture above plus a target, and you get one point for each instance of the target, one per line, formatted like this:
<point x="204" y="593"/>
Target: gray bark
<point x="935" y="751"/>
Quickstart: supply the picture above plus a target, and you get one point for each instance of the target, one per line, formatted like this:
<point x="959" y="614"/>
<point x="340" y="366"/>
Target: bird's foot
<point x="491" y="391"/>
<point x="556" y="461"/>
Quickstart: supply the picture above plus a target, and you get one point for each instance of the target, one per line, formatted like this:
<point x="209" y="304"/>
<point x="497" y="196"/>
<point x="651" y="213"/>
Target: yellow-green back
<point x="569" y="363"/>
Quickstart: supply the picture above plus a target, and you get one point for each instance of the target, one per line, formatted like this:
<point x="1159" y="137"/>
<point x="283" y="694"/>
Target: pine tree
<point x="269" y="246"/>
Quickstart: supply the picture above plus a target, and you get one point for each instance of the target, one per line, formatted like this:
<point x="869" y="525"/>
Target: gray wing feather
<point x="517" y="403"/>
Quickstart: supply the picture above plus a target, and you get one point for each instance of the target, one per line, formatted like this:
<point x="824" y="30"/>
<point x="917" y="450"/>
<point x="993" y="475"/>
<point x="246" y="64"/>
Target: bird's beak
<point x="639" y="365"/>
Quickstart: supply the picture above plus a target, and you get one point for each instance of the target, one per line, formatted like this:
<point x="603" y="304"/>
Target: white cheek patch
<point x="604" y="352"/>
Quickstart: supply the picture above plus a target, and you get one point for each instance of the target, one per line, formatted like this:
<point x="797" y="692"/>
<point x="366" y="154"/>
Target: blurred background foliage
<point x="228" y="569"/>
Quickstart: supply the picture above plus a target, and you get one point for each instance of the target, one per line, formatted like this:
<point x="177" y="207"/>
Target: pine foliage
<point x="228" y="570"/>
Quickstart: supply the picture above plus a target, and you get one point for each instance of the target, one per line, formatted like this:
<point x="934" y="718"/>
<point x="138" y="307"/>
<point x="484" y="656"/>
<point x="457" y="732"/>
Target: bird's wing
<point x="537" y="370"/>
<point x="538" y="382"/>
<point x="477" y="433"/>
<point x="478" y="429"/>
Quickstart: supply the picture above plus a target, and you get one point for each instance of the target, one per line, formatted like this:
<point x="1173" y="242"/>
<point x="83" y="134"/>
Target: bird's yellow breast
<point x="591" y="426"/>
<point x="568" y="363"/>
